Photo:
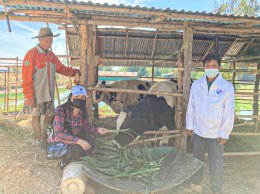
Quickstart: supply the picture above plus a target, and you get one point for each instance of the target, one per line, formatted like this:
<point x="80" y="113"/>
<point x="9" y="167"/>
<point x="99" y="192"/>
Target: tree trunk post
<point x="187" y="51"/>
<point x="89" y="70"/>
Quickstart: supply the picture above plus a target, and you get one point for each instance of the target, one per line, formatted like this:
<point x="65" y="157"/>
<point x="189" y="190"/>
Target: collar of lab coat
<point x="216" y="84"/>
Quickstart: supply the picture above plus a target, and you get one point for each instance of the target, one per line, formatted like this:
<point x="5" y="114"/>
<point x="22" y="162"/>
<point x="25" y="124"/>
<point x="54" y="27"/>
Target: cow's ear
<point x="103" y="82"/>
<point x="129" y="114"/>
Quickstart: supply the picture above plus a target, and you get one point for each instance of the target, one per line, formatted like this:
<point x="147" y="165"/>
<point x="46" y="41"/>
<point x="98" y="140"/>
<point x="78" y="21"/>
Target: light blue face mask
<point x="211" y="73"/>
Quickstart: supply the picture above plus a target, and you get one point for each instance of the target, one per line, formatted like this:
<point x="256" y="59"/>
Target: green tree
<point x="143" y="72"/>
<point x="237" y="7"/>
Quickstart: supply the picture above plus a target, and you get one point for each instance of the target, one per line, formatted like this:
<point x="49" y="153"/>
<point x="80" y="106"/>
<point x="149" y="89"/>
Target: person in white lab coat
<point x="210" y="120"/>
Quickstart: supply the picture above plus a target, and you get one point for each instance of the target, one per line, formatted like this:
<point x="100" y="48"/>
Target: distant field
<point x="20" y="99"/>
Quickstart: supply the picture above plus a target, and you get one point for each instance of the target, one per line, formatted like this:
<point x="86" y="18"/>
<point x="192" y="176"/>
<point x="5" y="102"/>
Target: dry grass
<point x="24" y="169"/>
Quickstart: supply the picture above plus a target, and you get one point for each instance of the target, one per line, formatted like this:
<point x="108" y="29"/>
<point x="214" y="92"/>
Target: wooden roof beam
<point x="230" y="48"/>
<point x="247" y="46"/>
<point x="161" y="26"/>
<point x="148" y="12"/>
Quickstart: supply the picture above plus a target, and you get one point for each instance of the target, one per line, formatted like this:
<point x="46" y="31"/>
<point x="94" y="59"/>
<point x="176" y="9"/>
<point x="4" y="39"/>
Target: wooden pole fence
<point x="133" y="91"/>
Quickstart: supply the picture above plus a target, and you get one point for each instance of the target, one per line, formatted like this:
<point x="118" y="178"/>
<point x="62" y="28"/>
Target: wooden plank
<point x="152" y="139"/>
<point x="247" y="117"/>
<point x="255" y="153"/>
<point x="244" y="134"/>
<point x="169" y="26"/>
<point x="134" y="91"/>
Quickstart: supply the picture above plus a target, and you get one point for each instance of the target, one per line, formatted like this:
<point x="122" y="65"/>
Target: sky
<point x="19" y="40"/>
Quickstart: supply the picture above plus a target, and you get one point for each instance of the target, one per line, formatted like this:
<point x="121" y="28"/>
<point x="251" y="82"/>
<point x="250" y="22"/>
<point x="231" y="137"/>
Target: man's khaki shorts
<point x="45" y="108"/>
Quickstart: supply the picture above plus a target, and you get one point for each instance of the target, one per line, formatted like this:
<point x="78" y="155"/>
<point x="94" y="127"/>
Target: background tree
<point x="237" y="7"/>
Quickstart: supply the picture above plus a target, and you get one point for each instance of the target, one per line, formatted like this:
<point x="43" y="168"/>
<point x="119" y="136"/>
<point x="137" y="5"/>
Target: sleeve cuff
<point x="223" y="134"/>
<point x="75" y="140"/>
<point x="189" y="127"/>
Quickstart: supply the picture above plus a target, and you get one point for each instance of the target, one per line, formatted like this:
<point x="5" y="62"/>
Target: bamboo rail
<point x="133" y="91"/>
<point x="247" y="116"/>
<point x="152" y="139"/>
<point x="242" y="153"/>
<point x="156" y="93"/>
<point x="245" y="134"/>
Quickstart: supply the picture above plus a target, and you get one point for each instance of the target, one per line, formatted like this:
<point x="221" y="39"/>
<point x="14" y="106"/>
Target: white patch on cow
<point x="120" y="120"/>
<point x="166" y="86"/>
<point x="123" y="100"/>
<point x="163" y="128"/>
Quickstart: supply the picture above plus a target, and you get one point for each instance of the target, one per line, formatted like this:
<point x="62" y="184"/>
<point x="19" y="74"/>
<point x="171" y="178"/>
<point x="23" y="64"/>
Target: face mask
<point x="79" y="103"/>
<point x="211" y="73"/>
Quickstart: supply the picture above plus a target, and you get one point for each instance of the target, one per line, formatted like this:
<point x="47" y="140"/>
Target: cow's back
<point x="166" y="86"/>
<point x="121" y="101"/>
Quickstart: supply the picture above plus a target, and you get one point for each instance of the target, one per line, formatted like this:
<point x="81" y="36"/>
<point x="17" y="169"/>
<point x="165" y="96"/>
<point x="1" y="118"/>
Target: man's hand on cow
<point x="222" y="140"/>
<point x="84" y="144"/>
<point x="189" y="132"/>
<point x="29" y="102"/>
<point x="102" y="130"/>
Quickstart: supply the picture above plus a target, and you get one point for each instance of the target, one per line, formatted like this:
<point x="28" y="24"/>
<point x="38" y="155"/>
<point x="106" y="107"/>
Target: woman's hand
<point x="84" y="144"/>
<point x="102" y="130"/>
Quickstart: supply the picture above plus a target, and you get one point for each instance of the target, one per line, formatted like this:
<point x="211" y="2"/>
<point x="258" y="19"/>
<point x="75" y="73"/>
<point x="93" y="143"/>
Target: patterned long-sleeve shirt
<point x="77" y="125"/>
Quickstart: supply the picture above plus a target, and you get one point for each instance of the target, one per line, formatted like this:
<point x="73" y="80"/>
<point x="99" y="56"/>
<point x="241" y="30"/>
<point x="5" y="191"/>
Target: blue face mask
<point x="211" y="73"/>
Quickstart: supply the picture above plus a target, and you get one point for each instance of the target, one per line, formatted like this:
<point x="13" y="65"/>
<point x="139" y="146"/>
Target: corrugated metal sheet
<point x="133" y="15"/>
<point x="115" y="47"/>
<point x="114" y="44"/>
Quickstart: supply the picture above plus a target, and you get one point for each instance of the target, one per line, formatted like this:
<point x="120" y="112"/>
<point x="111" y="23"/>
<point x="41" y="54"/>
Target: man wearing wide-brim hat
<point x="38" y="73"/>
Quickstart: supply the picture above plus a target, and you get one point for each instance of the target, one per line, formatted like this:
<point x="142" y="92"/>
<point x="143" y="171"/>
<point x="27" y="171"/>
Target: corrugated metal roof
<point x="118" y="50"/>
<point x="114" y="44"/>
<point x="137" y="7"/>
<point x="124" y="14"/>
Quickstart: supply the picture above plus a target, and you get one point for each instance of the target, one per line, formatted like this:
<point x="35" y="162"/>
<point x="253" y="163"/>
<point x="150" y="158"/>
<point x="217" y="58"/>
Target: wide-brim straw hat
<point x="45" y="32"/>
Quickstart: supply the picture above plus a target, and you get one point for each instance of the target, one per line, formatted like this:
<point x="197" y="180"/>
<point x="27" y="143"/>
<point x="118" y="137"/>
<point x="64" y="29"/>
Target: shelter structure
<point x="119" y="35"/>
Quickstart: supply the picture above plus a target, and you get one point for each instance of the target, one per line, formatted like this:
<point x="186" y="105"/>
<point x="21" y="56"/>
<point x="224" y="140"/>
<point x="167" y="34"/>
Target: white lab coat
<point x="211" y="114"/>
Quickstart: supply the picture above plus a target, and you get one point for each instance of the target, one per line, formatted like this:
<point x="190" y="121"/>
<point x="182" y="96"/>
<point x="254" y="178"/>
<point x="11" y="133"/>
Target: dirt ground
<point x="24" y="169"/>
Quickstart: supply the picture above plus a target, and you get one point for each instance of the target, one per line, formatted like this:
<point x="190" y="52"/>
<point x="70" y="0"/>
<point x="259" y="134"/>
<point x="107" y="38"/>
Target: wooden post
<point x="187" y="51"/>
<point x="256" y="97"/>
<point x="234" y="73"/>
<point x="83" y="53"/>
<point x="179" y="106"/>
<point x="89" y="70"/>
<point x="16" y="85"/>
<point x="83" y="60"/>
<point x="67" y="49"/>
<point x="95" y="69"/>
<point x="152" y="62"/>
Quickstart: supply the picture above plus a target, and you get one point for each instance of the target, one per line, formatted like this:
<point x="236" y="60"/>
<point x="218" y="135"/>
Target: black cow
<point x="152" y="113"/>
